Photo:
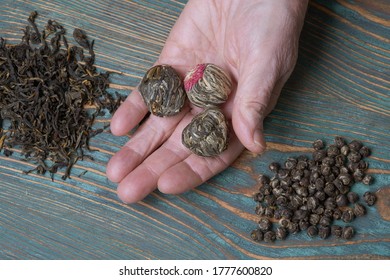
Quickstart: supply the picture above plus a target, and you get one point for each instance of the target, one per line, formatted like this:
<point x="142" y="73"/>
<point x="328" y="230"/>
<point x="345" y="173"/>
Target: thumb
<point x="255" y="98"/>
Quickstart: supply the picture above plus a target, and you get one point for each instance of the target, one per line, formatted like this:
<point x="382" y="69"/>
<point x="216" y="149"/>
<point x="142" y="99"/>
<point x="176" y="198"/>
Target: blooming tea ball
<point x="162" y="91"/>
<point x="207" y="134"/>
<point x="207" y="85"/>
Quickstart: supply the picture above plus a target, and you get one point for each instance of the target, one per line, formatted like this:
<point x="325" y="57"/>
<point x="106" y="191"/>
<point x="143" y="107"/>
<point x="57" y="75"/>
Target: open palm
<point x="249" y="41"/>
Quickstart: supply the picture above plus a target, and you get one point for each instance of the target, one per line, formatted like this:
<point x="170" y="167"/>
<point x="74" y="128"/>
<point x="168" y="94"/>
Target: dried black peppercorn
<point x="314" y="219"/>
<point x="258" y="197"/>
<point x="341" y="200"/>
<point x="295" y="201"/>
<point x="285" y="182"/>
<point x="331" y="177"/>
<point x="283" y="173"/>
<point x="318" y="144"/>
<point x="324" y="232"/>
<point x="281" y="233"/>
<point x="309" y="194"/>
<point x="364" y="151"/>
<point x="290" y="163"/>
<point x="358" y="175"/>
<point x="336" y="230"/>
<point x="269" y="200"/>
<point x="303" y="224"/>
<point x="343" y="189"/>
<point x="339" y="161"/>
<point x="319" y="210"/>
<point x="263" y="180"/>
<point x="257" y="235"/>
<point x="278" y="214"/>
<point x="269" y="212"/>
<point x="311" y="189"/>
<point x="328" y="161"/>
<point x="312" y="202"/>
<point x="339" y="141"/>
<point x="274" y="167"/>
<point x="348" y="232"/>
<point x="359" y="209"/>
<point x="338" y="184"/>
<point x="352" y="166"/>
<point x="320" y="195"/>
<point x="355" y="145"/>
<point x="266" y="190"/>
<point x="269" y="236"/>
<point x="302" y="191"/>
<point x="325" y="221"/>
<point x="265" y="224"/>
<point x="354" y="157"/>
<point x="312" y="231"/>
<point x="337" y="214"/>
<point x="362" y="165"/>
<point x="345" y="178"/>
<point x="259" y="210"/>
<point x="283" y="222"/>
<point x="300" y="214"/>
<point x="320" y="184"/>
<point x="330" y="203"/>
<point x="274" y="183"/>
<point x="343" y="170"/>
<point x="348" y="216"/>
<point x="330" y="189"/>
<point x="329" y="213"/>
<point x="281" y="201"/>
<point x="293" y="228"/>
<point x="367" y="180"/>
<point x="344" y="150"/>
<point x="319" y="155"/>
<point x="287" y="213"/>
<point x="369" y="198"/>
<point x="326" y="170"/>
<point x="352" y="197"/>
<point x="301" y="165"/>
<point x="333" y="151"/>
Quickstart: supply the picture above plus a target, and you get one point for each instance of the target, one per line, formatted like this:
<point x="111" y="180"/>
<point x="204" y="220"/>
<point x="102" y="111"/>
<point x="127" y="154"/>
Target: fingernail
<point x="258" y="140"/>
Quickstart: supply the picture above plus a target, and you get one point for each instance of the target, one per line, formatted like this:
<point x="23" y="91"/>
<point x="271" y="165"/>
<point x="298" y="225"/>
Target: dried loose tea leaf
<point x="46" y="86"/>
<point x="81" y="38"/>
<point x="207" y="134"/>
<point x="162" y="91"/>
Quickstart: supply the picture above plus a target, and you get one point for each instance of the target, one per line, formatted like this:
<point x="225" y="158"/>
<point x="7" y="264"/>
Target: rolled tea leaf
<point x="207" y="134"/>
<point x="162" y="91"/>
<point x="207" y="85"/>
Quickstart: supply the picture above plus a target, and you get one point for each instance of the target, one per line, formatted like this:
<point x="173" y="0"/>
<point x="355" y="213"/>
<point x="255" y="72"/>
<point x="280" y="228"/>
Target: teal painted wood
<point x="339" y="87"/>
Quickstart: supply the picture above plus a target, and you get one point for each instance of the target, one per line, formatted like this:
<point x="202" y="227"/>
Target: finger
<point x="195" y="170"/>
<point x="257" y="92"/>
<point x="152" y="133"/>
<point x="138" y="183"/>
<point x="129" y="114"/>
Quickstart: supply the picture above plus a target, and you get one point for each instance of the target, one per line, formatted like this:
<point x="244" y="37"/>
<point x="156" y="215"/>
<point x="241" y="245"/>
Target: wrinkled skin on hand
<point x="256" y="42"/>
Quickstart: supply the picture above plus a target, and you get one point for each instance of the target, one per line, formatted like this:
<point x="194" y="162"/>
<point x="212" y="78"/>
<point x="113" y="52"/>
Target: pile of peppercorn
<point x="310" y="194"/>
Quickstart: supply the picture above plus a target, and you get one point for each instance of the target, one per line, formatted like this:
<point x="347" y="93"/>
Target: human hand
<point x="257" y="43"/>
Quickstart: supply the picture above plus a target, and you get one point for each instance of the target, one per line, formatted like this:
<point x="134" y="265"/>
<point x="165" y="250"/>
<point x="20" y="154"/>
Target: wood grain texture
<point x="340" y="87"/>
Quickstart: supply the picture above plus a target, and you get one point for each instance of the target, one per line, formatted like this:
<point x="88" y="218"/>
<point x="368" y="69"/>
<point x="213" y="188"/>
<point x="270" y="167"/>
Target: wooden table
<point x="340" y="87"/>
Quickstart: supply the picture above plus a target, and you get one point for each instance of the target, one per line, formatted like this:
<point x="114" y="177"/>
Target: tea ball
<point x="162" y="91"/>
<point x="207" y="85"/>
<point x="207" y="134"/>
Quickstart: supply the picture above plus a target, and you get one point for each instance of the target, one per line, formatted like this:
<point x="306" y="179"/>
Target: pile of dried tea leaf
<point x="50" y="94"/>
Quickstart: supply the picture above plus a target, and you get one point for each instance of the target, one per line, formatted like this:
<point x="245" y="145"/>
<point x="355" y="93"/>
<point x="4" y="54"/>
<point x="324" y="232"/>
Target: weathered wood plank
<point x="339" y="87"/>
